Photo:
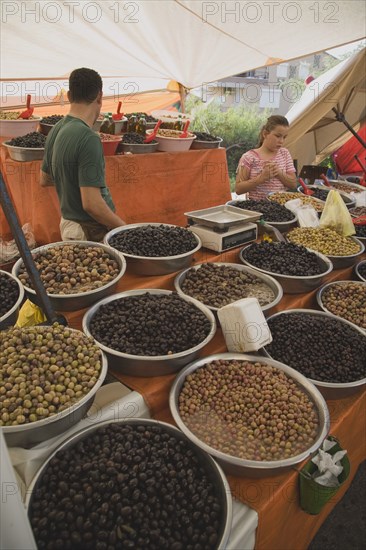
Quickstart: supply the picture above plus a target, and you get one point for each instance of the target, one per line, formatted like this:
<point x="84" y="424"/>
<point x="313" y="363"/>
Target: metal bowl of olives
<point x="149" y="330"/>
<point x="40" y="420"/>
<point x="75" y="299"/>
<point x="360" y="270"/>
<point x="218" y="421"/>
<point x="283" y="196"/>
<point x="270" y="282"/>
<point x="323" y="191"/>
<point x="283" y="227"/>
<point x="209" y="486"/>
<point x="347" y="300"/>
<point x="296" y="284"/>
<point x="153" y="265"/>
<point x="345" y="261"/>
<point x="322" y="346"/>
<point x="24" y="154"/>
<point x="11" y="297"/>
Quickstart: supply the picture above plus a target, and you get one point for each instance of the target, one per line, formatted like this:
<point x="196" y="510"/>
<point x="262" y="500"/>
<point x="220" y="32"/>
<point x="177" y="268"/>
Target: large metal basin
<point x="73" y="302"/>
<point x="330" y="390"/>
<point x="357" y="270"/>
<point x="27" y="435"/>
<point x="320" y="295"/>
<point x="292" y="284"/>
<point x="212" y="469"/>
<point x="9" y="318"/>
<point x="252" y="468"/>
<point x="345" y="261"/>
<point x="270" y="281"/>
<point x="149" y="265"/>
<point x="348" y="200"/>
<point x="283" y="227"/>
<point x="142" y="365"/>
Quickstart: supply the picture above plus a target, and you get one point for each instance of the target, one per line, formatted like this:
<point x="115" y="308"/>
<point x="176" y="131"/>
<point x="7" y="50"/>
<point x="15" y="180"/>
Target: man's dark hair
<point x="84" y="85"/>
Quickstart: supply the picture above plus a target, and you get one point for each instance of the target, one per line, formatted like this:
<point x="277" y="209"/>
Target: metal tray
<point x="222" y="217"/>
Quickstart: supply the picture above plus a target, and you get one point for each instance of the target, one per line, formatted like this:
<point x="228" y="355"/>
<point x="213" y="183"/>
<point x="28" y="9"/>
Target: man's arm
<point x="94" y="204"/>
<point x="45" y="179"/>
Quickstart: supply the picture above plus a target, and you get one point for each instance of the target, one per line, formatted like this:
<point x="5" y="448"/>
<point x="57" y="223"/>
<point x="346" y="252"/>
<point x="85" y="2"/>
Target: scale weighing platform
<point x="223" y="227"/>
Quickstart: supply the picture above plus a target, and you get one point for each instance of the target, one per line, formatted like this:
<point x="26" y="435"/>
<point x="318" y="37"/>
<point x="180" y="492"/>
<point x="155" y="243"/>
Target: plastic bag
<point x="306" y="214"/>
<point x="29" y="315"/>
<point x="9" y="249"/>
<point x="336" y="215"/>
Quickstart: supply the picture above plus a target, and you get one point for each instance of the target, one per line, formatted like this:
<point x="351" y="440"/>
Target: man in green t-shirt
<point x="74" y="163"/>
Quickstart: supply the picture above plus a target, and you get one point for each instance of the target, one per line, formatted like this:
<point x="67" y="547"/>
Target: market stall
<point x="281" y="522"/>
<point x="158" y="187"/>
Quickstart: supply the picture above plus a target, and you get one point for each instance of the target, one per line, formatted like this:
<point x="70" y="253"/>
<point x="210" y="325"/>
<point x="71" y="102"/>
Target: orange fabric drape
<point x="158" y="187"/>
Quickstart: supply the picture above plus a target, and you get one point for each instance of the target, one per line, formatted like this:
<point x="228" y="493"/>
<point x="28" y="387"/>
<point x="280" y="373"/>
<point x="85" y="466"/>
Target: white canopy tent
<point x="316" y="129"/>
<point x="189" y="41"/>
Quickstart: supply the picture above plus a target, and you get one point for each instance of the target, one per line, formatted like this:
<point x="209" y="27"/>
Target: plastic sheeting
<point x="314" y="130"/>
<point x="190" y="41"/>
<point x="344" y="158"/>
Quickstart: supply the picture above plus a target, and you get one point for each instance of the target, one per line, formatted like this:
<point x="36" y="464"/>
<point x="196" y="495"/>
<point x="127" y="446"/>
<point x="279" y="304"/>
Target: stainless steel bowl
<point x="357" y="270"/>
<point x="27" y="435"/>
<point x="212" y="469"/>
<point x="9" y="318"/>
<point x="330" y="390"/>
<point x="283" y="227"/>
<point x="292" y="284"/>
<point x="198" y="144"/>
<point x="149" y="265"/>
<point x="320" y="295"/>
<point x="270" y="281"/>
<point x="297" y="195"/>
<point x="353" y="187"/>
<point x="73" y="302"/>
<point x="138" y="148"/>
<point x="348" y="200"/>
<point x="345" y="261"/>
<point x="238" y="466"/>
<point x="143" y="365"/>
<point x="24" y="154"/>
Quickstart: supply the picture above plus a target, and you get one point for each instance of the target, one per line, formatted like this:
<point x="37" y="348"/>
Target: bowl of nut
<point x="273" y="213"/>
<point x="11" y="298"/>
<point x="171" y="142"/>
<point x="346" y="299"/>
<point x="12" y="126"/>
<point x="360" y="270"/>
<point x="328" y="350"/>
<point x="110" y="143"/>
<point x="75" y="274"/>
<point x="219" y="284"/>
<point x="126" y="500"/>
<point x="255" y="416"/>
<point x="55" y="375"/>
<point x="149" y="332"/>
<point x="342" y="251"/>
<point x="154" y="248"/>
<point x="296" y="268"/>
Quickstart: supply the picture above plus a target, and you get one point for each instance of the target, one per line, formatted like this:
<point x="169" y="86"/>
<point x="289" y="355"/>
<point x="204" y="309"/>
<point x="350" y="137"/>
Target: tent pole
<point x="340" y="117"/>
<point x="26" y="255"/>
<point x="183" y="94"/>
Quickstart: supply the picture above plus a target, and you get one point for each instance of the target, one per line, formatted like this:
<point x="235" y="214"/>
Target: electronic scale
<point x="223" y="227"/>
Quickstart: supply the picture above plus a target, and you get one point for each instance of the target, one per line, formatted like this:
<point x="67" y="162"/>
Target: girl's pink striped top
<point x="255" y="164"/>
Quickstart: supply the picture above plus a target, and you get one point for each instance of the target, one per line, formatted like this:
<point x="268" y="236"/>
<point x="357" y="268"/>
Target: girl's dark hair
<point x="84" y="85"/>
<point x="272" y="122"/>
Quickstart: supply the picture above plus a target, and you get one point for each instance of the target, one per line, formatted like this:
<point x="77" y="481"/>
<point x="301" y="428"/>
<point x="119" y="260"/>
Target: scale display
<point x="220" y="241"/>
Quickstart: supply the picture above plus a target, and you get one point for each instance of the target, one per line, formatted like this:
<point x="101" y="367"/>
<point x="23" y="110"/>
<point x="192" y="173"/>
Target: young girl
<point x="268" y="168"/>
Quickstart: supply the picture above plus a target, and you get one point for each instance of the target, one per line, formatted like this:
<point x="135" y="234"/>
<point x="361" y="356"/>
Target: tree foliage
<point x="239" y="127"/>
